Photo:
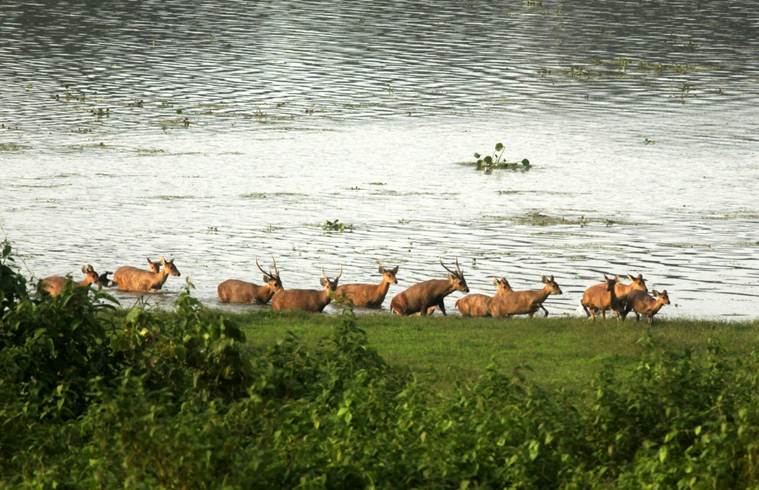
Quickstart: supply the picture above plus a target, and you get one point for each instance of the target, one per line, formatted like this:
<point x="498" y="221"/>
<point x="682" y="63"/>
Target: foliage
<point x="96" y="397"/>
<point x="488" y="163"/>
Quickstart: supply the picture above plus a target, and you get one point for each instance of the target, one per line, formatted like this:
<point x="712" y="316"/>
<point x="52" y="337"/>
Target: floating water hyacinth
<point x="496" y="161"/>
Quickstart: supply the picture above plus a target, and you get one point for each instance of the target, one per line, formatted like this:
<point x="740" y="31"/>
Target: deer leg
<point x="585" y="308"/>
<point x="423" y="310"/>
<point x="441" y="305"/>
<point x="603" y="313"/>
<point x="545" y="312"/>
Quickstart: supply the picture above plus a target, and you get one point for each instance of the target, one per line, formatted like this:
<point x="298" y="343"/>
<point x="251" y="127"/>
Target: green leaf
<point x="534" y="449"/>
<point x="488" y="160"/>
<point x="662" y="453"/>
<point x="476" y="155"/>
<point x="498" y="146"/>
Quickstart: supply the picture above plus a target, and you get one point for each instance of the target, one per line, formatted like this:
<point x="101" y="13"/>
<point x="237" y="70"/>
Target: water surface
<point x="219" y="132"/>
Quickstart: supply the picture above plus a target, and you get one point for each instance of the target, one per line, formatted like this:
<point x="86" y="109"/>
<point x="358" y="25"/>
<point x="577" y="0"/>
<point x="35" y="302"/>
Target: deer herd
<point x="419" y="299"/>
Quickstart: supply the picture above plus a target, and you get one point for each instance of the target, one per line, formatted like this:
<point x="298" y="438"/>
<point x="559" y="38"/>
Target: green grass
<point x="554" y="352"/>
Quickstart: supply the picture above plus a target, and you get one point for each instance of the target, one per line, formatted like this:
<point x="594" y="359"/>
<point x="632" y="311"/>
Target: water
<point x="219" y="132"/>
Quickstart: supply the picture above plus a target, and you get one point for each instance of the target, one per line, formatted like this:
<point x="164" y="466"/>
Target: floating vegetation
<point x="377" y="183"/>
<point x="11" y="147"/>
<point x="174" y="123"/>
<point x="536" y="218"/>
<point x="336" y="225"/>
<point x="649" y="141"/>
<point x="619" y="66"/>
<point x="272" y="228"/>
<point x="489" y="163"/>
<point x="150" y="151"/>
<point x="253" y="195"/>
<point x="168" y="197"/>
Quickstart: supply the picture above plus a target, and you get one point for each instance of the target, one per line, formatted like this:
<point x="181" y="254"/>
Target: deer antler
<point x="267" y="274"/>
<point x="446" y="268"/>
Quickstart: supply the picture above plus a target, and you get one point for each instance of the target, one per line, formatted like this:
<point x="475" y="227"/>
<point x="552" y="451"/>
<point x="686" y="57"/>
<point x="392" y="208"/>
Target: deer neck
<point x="543" y="294"/>
<point x="325" y="297"/>
<point x="160" y="277"/>
<point x="381" y="289"/>
<point x="658" y="303"/>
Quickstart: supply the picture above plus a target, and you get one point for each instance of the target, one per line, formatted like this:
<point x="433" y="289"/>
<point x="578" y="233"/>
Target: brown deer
<point x="623" y="292"/>
<point x="54" y="285"/>
<point x="311" y="300"/>
<point x="137" y="280"/>
<point x="647" y="305"/>
<point x="601" y="297"/>
<point x="524" y="302"/>
<point x="236" y="291"/>
<point x="423" y="297"/>
<point x="479" y="304"/>
<point x="369" y="295"/>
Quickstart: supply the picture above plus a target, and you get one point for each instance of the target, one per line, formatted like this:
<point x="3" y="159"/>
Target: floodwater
<point x="217" y="132"/>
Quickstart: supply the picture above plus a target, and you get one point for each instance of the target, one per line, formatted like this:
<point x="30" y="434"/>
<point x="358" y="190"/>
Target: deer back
<point x="133" y="279"/>
<point x="237" y="291"/>
<point x="311" y="300"/>
<point x="423" y="294"/>
<point x="474" y="305"/>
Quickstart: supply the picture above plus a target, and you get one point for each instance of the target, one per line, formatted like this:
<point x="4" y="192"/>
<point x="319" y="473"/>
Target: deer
<point x="524" y="302"/>
<point x="369" y="295"/>
<point x="132" y="279"/>
<point x="423" y="297"/>
<point x="646" y="304"/>
<point x="475" y="305"/>
<point x="309" y="300"/>
<point x="623" y="292"/>
<point x="601" y="297"/>
<point x="237" y="291"/>
<point x="54" y="285"/>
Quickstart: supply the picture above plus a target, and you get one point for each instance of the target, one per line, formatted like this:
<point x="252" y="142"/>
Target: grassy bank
<point x="552" y="352"/>
<point x="97" y="397"/>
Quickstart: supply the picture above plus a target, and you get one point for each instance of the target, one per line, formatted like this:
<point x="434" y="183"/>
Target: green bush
<point x="96" y="397"/>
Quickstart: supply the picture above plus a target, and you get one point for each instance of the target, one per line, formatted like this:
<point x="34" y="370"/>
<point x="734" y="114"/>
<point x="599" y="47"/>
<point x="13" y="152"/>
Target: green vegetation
<point x="11" y="147"/>
<point x="336" y="225"/>
<point x="96" y="397"/>
<point x="536" y="218"/>
<point x="488" y="163"/>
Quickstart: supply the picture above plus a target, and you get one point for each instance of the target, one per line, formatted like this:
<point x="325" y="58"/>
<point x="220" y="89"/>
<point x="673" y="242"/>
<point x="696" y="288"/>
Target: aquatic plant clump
<point x="488" y="163"/>
<point x="336" y="225"/>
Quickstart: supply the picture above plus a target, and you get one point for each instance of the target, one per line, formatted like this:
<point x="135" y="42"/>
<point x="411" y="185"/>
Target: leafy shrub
<point x="91" y="397"/>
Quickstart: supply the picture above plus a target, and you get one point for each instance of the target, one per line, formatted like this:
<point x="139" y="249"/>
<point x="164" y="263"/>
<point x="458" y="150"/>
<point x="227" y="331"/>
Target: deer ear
<point x="552" y="279"/>
<point x="544" y="279"/>
<point x="395" y="270"/>
<point x="163" y="261"/>
<point x="381" y="270"/>
<point x="495" y="281"/>
<point x="84" y="269"/>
